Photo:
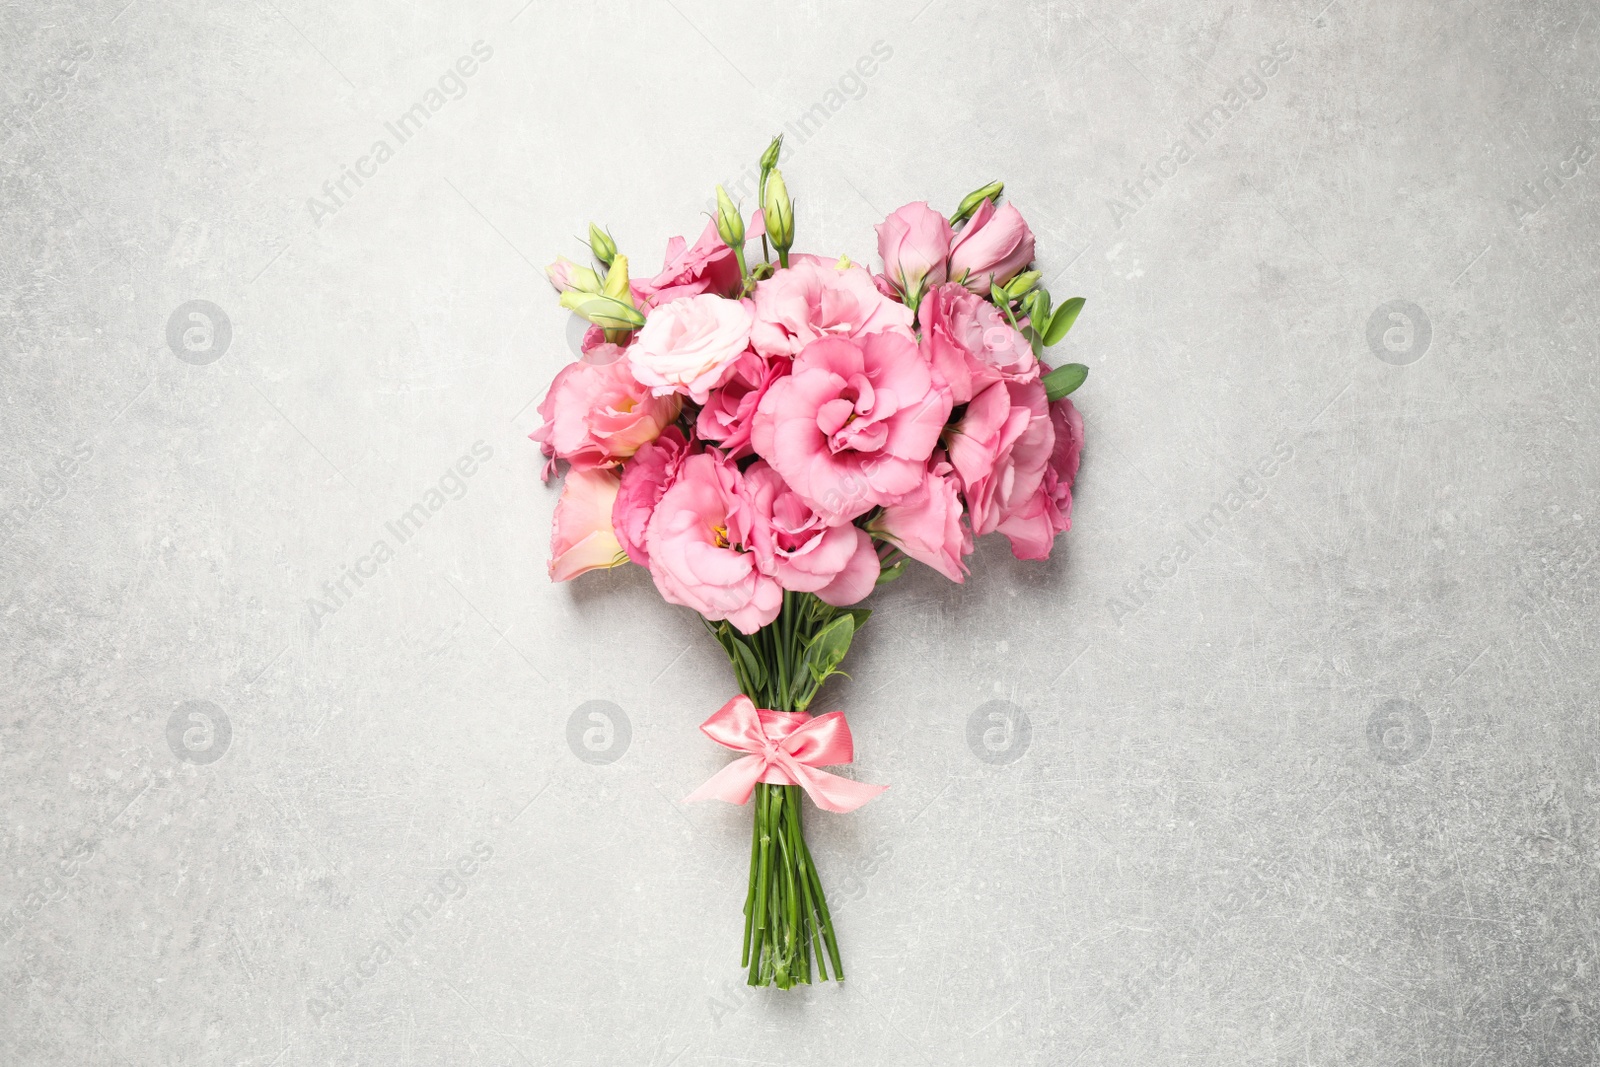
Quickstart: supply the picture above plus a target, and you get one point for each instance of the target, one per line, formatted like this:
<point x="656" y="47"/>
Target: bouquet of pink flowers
<point x="774" y="441"/>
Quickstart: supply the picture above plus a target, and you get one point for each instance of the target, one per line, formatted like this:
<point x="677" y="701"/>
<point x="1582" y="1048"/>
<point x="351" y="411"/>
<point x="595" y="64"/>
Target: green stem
<point x="786" y="913"/>
<point x="750" y="903"/>
<point x="824" y="919"/>
<point x="804" y="864"/>
<point x="761" y="887"/>
<point x="776" y="912"/>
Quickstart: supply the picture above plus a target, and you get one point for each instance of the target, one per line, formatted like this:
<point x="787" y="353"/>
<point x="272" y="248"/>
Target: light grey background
<point x="1323" y="792"/>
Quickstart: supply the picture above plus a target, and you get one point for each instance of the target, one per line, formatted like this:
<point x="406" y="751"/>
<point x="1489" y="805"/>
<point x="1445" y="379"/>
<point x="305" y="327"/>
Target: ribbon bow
<point x="785" y="748"/>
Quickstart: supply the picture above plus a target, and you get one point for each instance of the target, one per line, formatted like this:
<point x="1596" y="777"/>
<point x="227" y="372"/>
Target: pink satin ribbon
<point x="785" y="748"/>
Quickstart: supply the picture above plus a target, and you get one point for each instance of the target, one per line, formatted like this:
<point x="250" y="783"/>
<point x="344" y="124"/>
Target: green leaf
<point x="1063" y="380"/>
<point x="1062" y="321"/>
<point x="860" y="615"/>
<point x="720" y="630"/>
<point x="826" y="650"/>
<point x="1036" y="305"/>
<point x="889" y="574"/>
<point x="754" y="670"/>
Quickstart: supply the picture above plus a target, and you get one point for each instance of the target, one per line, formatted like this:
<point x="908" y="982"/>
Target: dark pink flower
<point x="1000" y="449"/>
<point x="730" y="409"/>
<point x="1033" y="525"/>
<point x="645" y="478"/>
<point x="708" y="267"/>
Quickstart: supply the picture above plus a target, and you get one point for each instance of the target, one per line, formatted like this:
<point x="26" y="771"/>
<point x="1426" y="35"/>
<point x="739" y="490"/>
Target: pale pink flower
<point x="699" y="542"/>
<point x="853" y="425"/>
<point x="812" y="299"/>
<point x="914" y="243"/>
<point x="802" y="549"/>
<point x="686" y="346"/>
<point x="582" y="539"/>
<point x="993" y="247"/>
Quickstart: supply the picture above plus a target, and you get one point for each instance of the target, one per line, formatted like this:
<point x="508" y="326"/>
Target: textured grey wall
<point x="1309" y="771"/>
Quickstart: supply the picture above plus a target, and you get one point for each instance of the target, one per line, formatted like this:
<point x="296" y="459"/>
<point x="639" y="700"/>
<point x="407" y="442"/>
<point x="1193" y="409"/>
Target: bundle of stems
<point x="787" y="928"/>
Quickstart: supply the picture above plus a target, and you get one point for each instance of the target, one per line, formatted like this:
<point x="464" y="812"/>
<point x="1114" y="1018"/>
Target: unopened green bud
<point x="730" y="225"/>
<point x="970" y="202"/>
<point x="566" y="275"/>
<point x="601" y="244"/>
<point x="769" y="158"/>
<point x="778" y="212"/>
<point x="1036" y="308"/>
<point x="616" y="284"/>
<point x="606" y="312"/>
<point x="1036" y="305"/>
<point x="1022" y="283"/>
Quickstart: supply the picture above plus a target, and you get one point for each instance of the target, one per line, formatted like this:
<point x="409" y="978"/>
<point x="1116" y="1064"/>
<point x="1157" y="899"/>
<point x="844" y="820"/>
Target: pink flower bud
<point x="993" y="248"/>
<point x="914" y="243"/>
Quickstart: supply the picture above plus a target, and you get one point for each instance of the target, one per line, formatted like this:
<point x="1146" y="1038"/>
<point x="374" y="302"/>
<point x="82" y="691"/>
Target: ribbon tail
<point x="733" y="784"/>
<point x="830" y="792"/>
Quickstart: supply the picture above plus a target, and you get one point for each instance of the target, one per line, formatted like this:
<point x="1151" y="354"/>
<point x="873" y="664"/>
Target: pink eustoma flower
<point x="926" y="524"/>
<point x="699" y="541"/>
<point x="730" y="409"/>
<point x="812" y="299"/>
<point x="1032" y="526"/>
<point x="645" y="478"/>
<point x="853" y="425"/>
<point x="970" y="344"/>
<point x="597" y="414"/>
<point x="1000" y="449"/>
<point x="708" y="267"/>
<point x="914" y="243"/>
<point x="802" y="549"/>
<point x="993" y="247"/>
<point x="688" y="345"/>
<point x="582" y="539"/>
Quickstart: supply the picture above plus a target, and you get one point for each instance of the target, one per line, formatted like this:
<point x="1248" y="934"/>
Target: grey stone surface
<point x="1310" y="772"/>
